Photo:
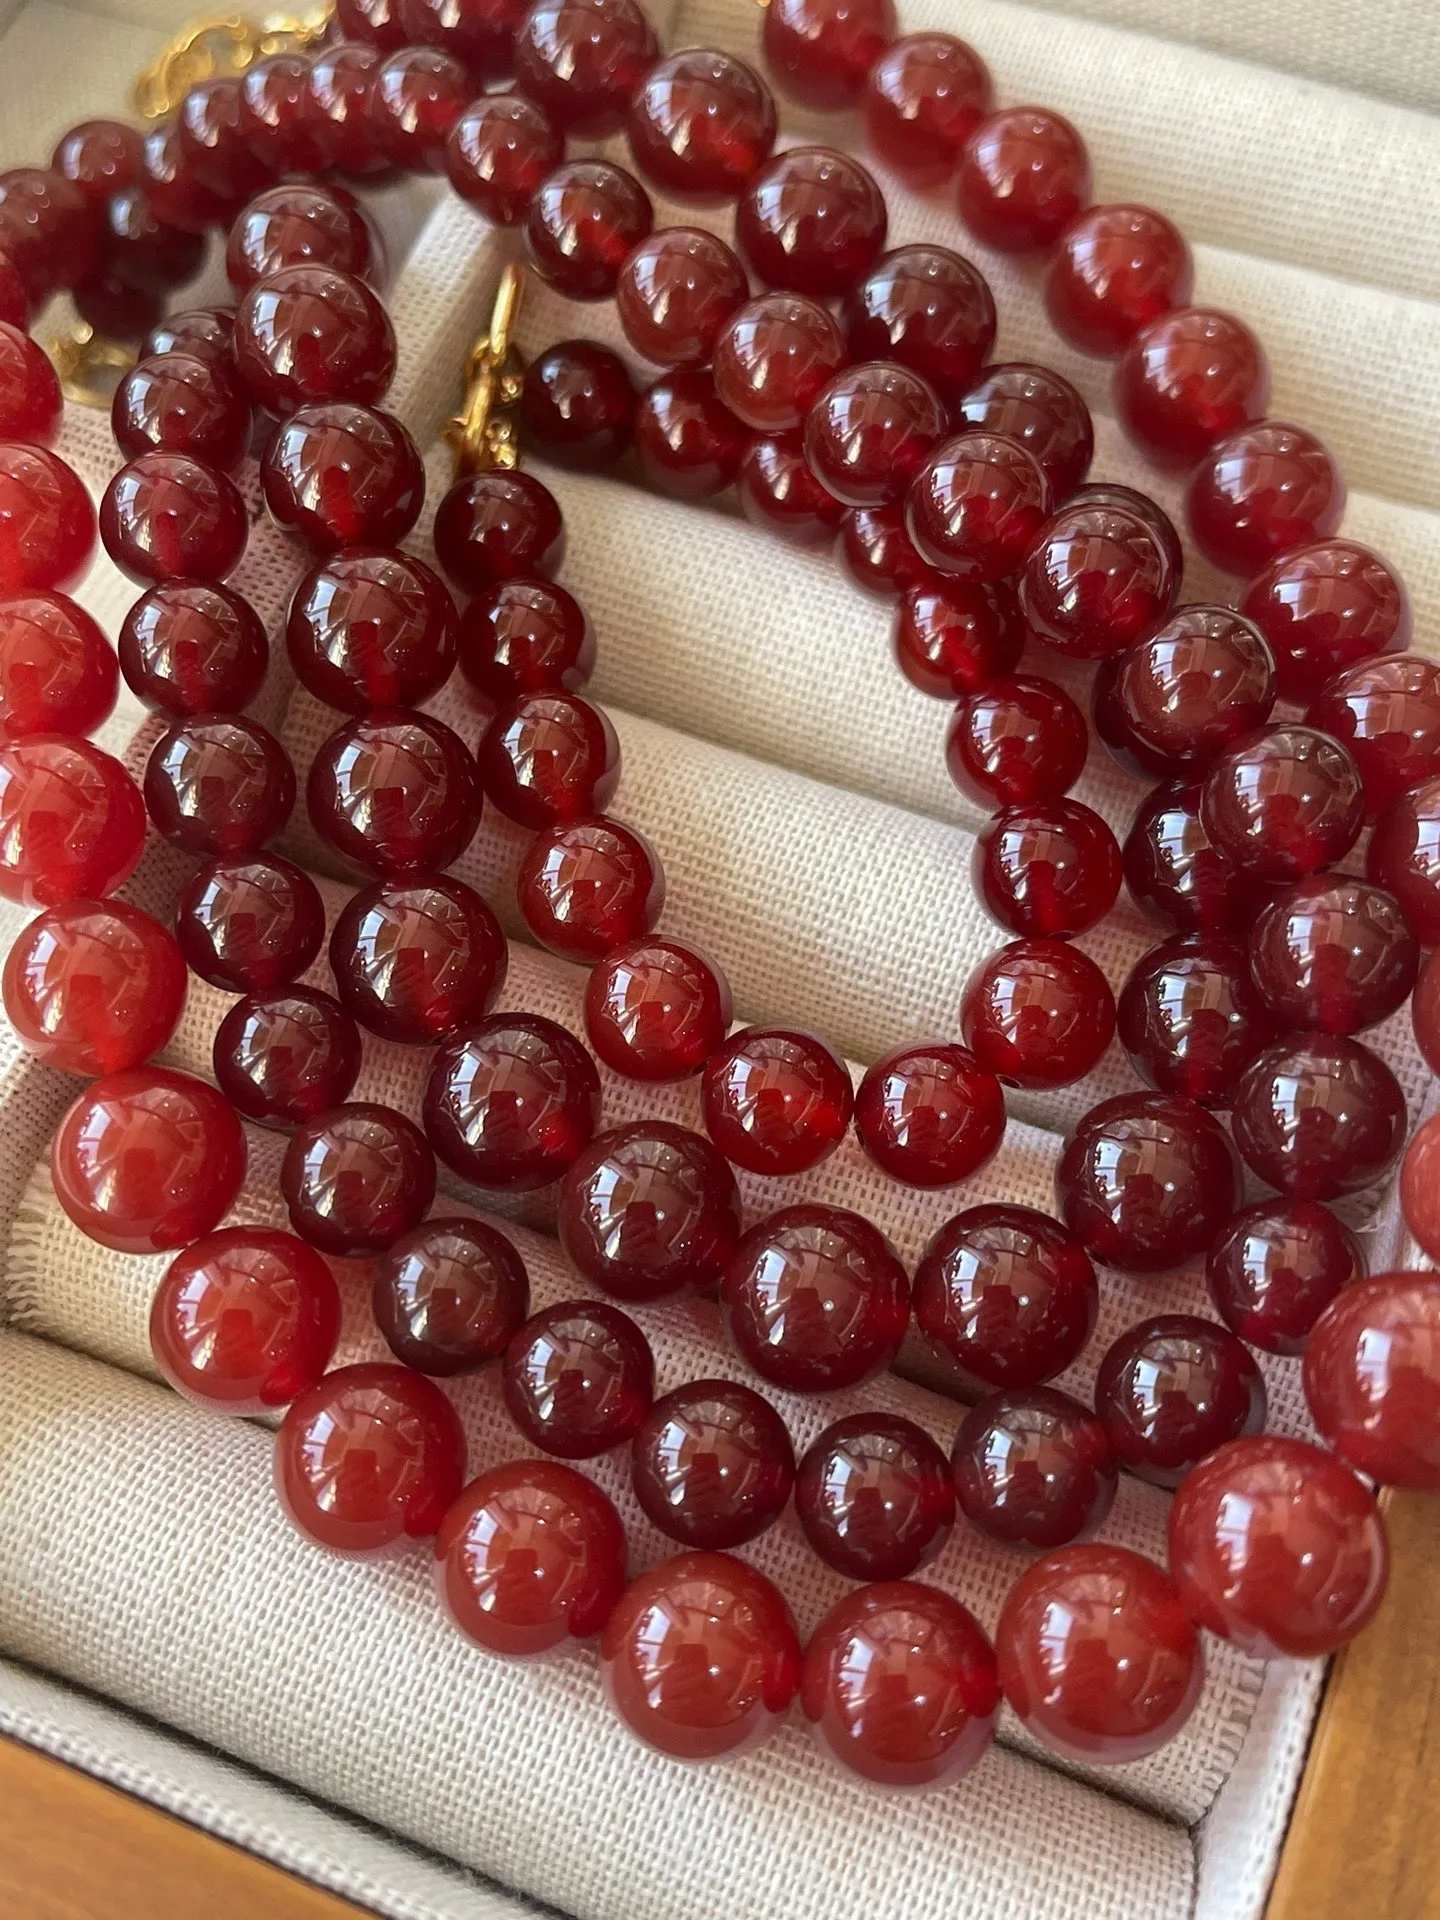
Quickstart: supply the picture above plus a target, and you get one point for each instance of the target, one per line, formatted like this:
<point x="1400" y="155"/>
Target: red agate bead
<point x="882" y="560"/>
<point x="1145" y="1181"/>
<point x="649" y="1210"/>
<point x="499" y="151"/>
<point x="656" y="1009"/>
<point x="549" y="757"/>
<point x="1404" y="857"/>
<point x="812" y="221"/>
<point x="1050" y="869"/>
<point x="582" y="223"/>
<point x="924" y="96"/>
<point x="14" y="296"/>
<point x="1333" y="953"/>
<point x="976" y="505"/>
<point x="1033" y="1468"/>
<point x="815" y="1299"/>
<point x="1372" y="1375"/>
<point x="175" y="193"/>
<point x="530" y="1557"/>
<point x="280" y="118"/>
<point x="282" y="1058"/>
<point x="1171" y="1390"/>
<point x="874" y="1497"/>
<point x="926" y="308"/>
<point x="1326" y="607"/>
<point x="701" y="125"/>
<point x="147" y="1160"/>
<point x="368" y="1460"/>
<point x="414" y="959"/>
<point x="166" y="516"/>
<point x="1190" y="1018"/>
<point x="498" y="526"/>
<point x="481" y="36"/>
<point x="578" y="1379"/>
<point x="773" y="357"/>
<point x="449" y="1296"/>
<point x="775" y="1101"/>
<point x="675" y="293"/>
<point x="30" y="402"/>
<point x="821" y="50"/>
<point x="1418" y="1189"/>
<point x="951" y="637"/>
<point x="57" y="670"/>
<point x="1276" y="1267"/>
<point x="48" y="228"/>
<point x="396" y="791"/>
<point x="930" y="1116"/>
<point x="700" y="1657"/>
<point x="1386" y="710"/>
<point x="1109" y="493"/>
<point x="244" y="1320"/>
<point x="778" y="492"/>
<point x="525" y="636"/>
<point x="1098" y="1656"/>
<point x="308" y="335"/>
<point x="369" y="628"/>
<point x="577" y="406"/>
<point x="712" y="1464"/>
<point x="193" y="646"/>
<point x="1016" y="740"/>
<point x="1024" y="176"/>
<point x="1008" y="1293"/>
<point x="584" y="60"/>
<point x="589" y="885"/>
<point x="1045" y="413"/>
<point x="689" y="443"/>
<point x="1284" y="803"/>
<point x="1187" y="379"/>
<point x="218" y="784"/>
<point x="1096" y="579"/>
<point x="100" y="158"/>
<point x="300" y="225"/>
<point x="1277" y="1547"/>
<point x="870" y="430"/>
<point x="356" y="1177"/>
<point x="94" y="986"/>
<point x="1038" y="1013"/>
<point x="47" y="524"/>
<point x="510" y="1101"/>
<point x="1318" y="1116"/>
<point x="250" y="924"/>
<point x="1112" y="271"/>
<point x="1261" y="490"/>
<point x="342" y="87"/>
<point x="213" y="140"/>
<point x="343" y="475"/>
<point x="1425" y="1013"/>
<point x="1184" y="691"/>
<point x="900" y="1685"/>
<point x="416" y="96"/>
<point x="1175" y="871"/>
<point x="72" y="825"/>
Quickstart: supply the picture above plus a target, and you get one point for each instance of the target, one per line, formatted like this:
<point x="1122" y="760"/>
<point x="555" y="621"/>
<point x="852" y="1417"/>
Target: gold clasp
<point x="482" y="436"/>
<point x="225" y="46"/>
<point x="83" y="358"/>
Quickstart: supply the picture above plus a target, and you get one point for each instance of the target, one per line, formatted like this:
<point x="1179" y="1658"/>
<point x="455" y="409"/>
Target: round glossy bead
<point x="815" y="1299"/>
<point x="1425" y="1013"/>
<point x="775" y="1101"/>
<point x="1386" y="710"/>
<point x="48" y="229"/>
<point x="205" y="332"/>
<point x="1285" y="803"/>
<point x="930" y="1116"/>
<point x="1098" y="1656"/>
<point x="1404" y="857"/>
<point x="581" y="225"/>
<point x="369" y="628"/>
<point x="1145" y="1181"/>
<point x="369" y="1459"/>
<point x="213" y="141"/>
<point x="414" y="960"/>
<point x="450" y="1295"/>
<point x="416" y="98"/>
<point x="1175" y="872"/>
<point x="1190" y="1018"/>
<point x="549" y="757"/>
<point x="218" y="784"/>
<point x="1111" y="272"/>
<point x="499" y="151"/>
<point x="778" y="492"/>
<point x="700" y="1657"/>
<point x="511" y="1101"/>
<point x="578" y="1379"/>
<point x="72" y="824"/>
<point x="1186" y="380"/>
<point x="244" y="1320"/>
<point x="585" y="886"/>
<point x="1276" y="1546"/>
<point x="146" y="1160"/>
<point x="690" y="444"/>
<point x="712" y="1464"/>
<point x="656" y="1009"/>
<point x="1007" y="1293"/>
<point x="773" y="357"/>
<point x="1016" y="741"/>
<point x="1032" y="1468"/>
<point x="923" y="97"/>
<point x="813" y="221"/>
<point x="1372" y="1363"/>
<point x="343" y="475"/>
<point x="30" y="401"/>
<point x="481" y="35"/>
<point x="926" y="308"/>
<point x="191" y="647"/>
<point x="1038" y="1013"/>
<point x="251" y="924"/>
<point x="115" y="308"/>
<point x="1276" y="1267"/>
<point x="869" y="432"/>
<point x="299" y="225"/>
<point x="308" y="335"/>
<point x="1184" y="691"/>
<point x="47" y="524"/>
<point x="951" y="637"/>
<point x="1051" y="869"/>
<point x="1319" y="1116"/>
<point x="100" y="158"/>
<point x="701" y="125"/>
<point x="821" y="50"/>
<point x="397" y="792"/>
<point x="280" y="119"/>
<point x="1109" y="493"/>
<point x="1333" y="953"/>
<point x="57" y="670"/>
<point x="1171" y="1390"/>
<point x="1324" y="608"/>
<point x="577" y="406"/>
<point x="494" y="527"/>
<point x="525" y="636"/>
<point x="584" y="61"/>
<point x="357" y="1177"/>
<point x="1260" y="491"/>
<point x="1096" y="579"/>
<point x="648" y="1211"/>
<point x="676" y="291"/>
<point x="92" y="987"/>
<point x="531" y="1557"/>
<point x="174" y="191"/>
<point x="874" y="1497"/>
<point x="882" y="560"/>
<point x="1024" y="176"/>
<point x="342" y="85"/>
<point x="166" y="516"/>
<point x="282" y="1058"/>
<point x="976" y="506"/>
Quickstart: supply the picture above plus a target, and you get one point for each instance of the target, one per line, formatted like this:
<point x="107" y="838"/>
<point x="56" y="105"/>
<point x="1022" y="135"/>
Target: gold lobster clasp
<point x="223" y="46"/>
<point x="481" y="434"/>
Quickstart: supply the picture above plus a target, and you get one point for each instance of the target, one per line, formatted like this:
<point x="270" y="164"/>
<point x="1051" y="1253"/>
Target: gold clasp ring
<point x="88" y="364"/>
<point x="225" y="46"/>
<point x="481" y="434"/>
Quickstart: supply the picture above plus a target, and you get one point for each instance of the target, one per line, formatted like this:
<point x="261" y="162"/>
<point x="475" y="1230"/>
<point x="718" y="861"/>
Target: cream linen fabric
<point x="816" y="844"/>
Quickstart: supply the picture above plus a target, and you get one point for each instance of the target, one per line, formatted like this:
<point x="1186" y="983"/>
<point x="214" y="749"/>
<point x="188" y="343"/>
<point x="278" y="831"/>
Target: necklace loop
<point x="482" y="434"/>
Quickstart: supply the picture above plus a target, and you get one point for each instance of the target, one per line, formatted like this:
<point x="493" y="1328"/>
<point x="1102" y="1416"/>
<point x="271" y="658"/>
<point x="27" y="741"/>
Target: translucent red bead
<point x="1404" y="857"/>
<point x="775" y="1101"/>
<point x="357" y="1177"/>
<point x="166" y="516"/>
<point x="712" y="1465"/>
<point x="250" y="924"/>
<point x="1184" y="691"/>
<point x="416" y="97"/>
<point x="1276" y="1266"/>
<point x="930" y="1116"/>
<point x="1096" y="579"/>
<point x="30" y="402"/>
<point x="1040" y="409"/>
<point x="308" y="335"/>
<point x="951" y="637"/>
<point x="578" y="1379"/>
<point x="1145" y="1181"/>
<point x="1325" y="607"/>
<point x="1419" y="1194"/>
<point x="57" y="670"/>
<point x="418" y="958"/>
<point x="1333" y="953"/>
<point x="511" y="1101"/>
<point x="773" y="357"/>
<point x="47" y="524"/>
<point x="812" y="221"/>
<point x="1386" y="710"/>
<point x="656" y="1009"/>
<point x="549" y="757"/>
<point x="1190" y="1017"/>
<point x="72" y="825"/>
<point x="343" y="475"/>
<point x="649" y="1210"/>
<point x="1260" y="491"/>
<point x="1112" y="271"/>
<point x="372" y="628"/>
<point x="1175" y="872"/>
<point x="1318" y="1116"/>
<point x="1051" y="869"/>
<point x="676" y="291"/>
<point x="701" y="125"/>
<point x="1033" y="1468"/>
<point x="1284" y="803"/>
<point x="218" y="784"/>
<point x="1016" y="740"/>
<point x="874" y="1497"/>
<point x="498" y="152"/>
<point x="689" y="443"/>
<point x="577" y="406"/>
<point x="870" y="430"/>
<point x="1171" y="1390"/>
<point x="93" y="986"/>
<point x="525" y="636"/>
<point x="300" y="225"/>
<point x="923" y="98"/>
<point x="976" y="506"/>
<point x="397" y="792"/>
<point x="281" y="1058"/>
<point x="589" y="885"/>
<point x="449" y="1296"/>
<point x="778" y="492"/>
<point x="582" y="223"/>
<point x="926" y="308"/>
<point x="495" y="527"/>
<point x="584" y="60"/>
<point x="1038" y="1013"/>
<point x="820" y="51"/>
<point x="1024" y="175"/>
<point x="1187" y="379"/>
<point x="1372" y="1377"/>
<point x="190" y="647"/>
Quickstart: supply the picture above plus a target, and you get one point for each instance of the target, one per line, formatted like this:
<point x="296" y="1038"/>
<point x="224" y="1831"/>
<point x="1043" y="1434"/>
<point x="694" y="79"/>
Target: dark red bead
<point x="775" y="1101"/>
<point x="1333" y="953"/>
<point x="976" y="506"/>
<point x="1285" y="803"/>
<point x="213" y="142"/>
<point x="342" y="475"/>
<point x="1372" y="1377"/>
<point x="1190" y="1018"/>
<point x="712" y="1465"/>
<point x="493" y="527"/>
<point x="578" y="1379"/>
<point x="1051" y="869"/>
<point x="182" y="403"/>
<point x="926" y="308"/>
<point x="951" y="638"/>
<point x="173" y="189"/>
<point x="1425" y="1013"/>
<point x="250" y="925"/>
<point x="656" y="1009"/>
<point x="815" y="1299"/>
<point x="142" y="251"/>
<point x="1404" y="858"/>
<point x="584" y="61"/>
<point x="1146" y="1180"/>
<point x="57" y="670"/>
<point x="1038" y="1013"/>
<point x="1096" y="579"/>
<point x="372" y="628"/>
<point x="100" y="157"/>
<point x="1033" y="1469"/>
<point x="48" y="229"/>
<point x="416" y="97"/>
<point x="577" y="406"/>
<point x="510" y="1101"/>
<point x="1184" y="691"/>
<point x="813" y="221"/>
<point x="870" y="430"/>
<point x="549" y="757"/>
<point x="1319" y="1116"/>
<point x="1175" y="871"/>
<point x="1326" y="607"/>
<point x="280" y="120"/>
<point x="356" y="1177"/>
<point x="342" y="83"/>
<point x="499" y="151"/>
<point x="874" y="1497"/>
<point x="299" y="225"/>
<point x="882" y="560"/>
<point x="202" y="331"/>
<point x="648" y="1211"/>
<point x="930" y="1116"/>
<point x="773" y="358"/>
<point x="676" y="291"/>
<point x="30" y="402"/>
<point x="368" y="1460"/>
<point x="166" y="516"/>
<point x="1386" y="710"/>
<point x="396" y="791"/>
<point x="94" y="986"/>
<point x="308" y="335"/>
<point x="1261" y="490"/>
<point x="525" y="636"/>
<point x="72" y="825"/>
<point x="779" y="492"/>
<point x="1114" y="270"/>
<point x="416" y="959"/>
<point x="701" y="125"/>
<point x="587" y="885"/>
<point x="1008" y="1293"/>
<point x="689" y="443"/>
<point x="47" y="524"/>
<point x="244" y="1320"/>
<point x="1024" y="175"/>
<point x="218" y="783"/>
<point x="1275" y="1268"/>
<point x="14" y="299"/>
<point x="1419" y="1194"/>
<point x="449" y="1296"/>
<point x="1187" y="379"/>
<point x="1017" y="740"/>
<point x="1109" y="493"/>
<point x="582" y="223"/>
<point x="282" y="1058"/>
<point x="481" y="35"/>
<point x="1171" y="1390"/>
<point x="821" y="50"/>
<point x="924" y="96"/>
